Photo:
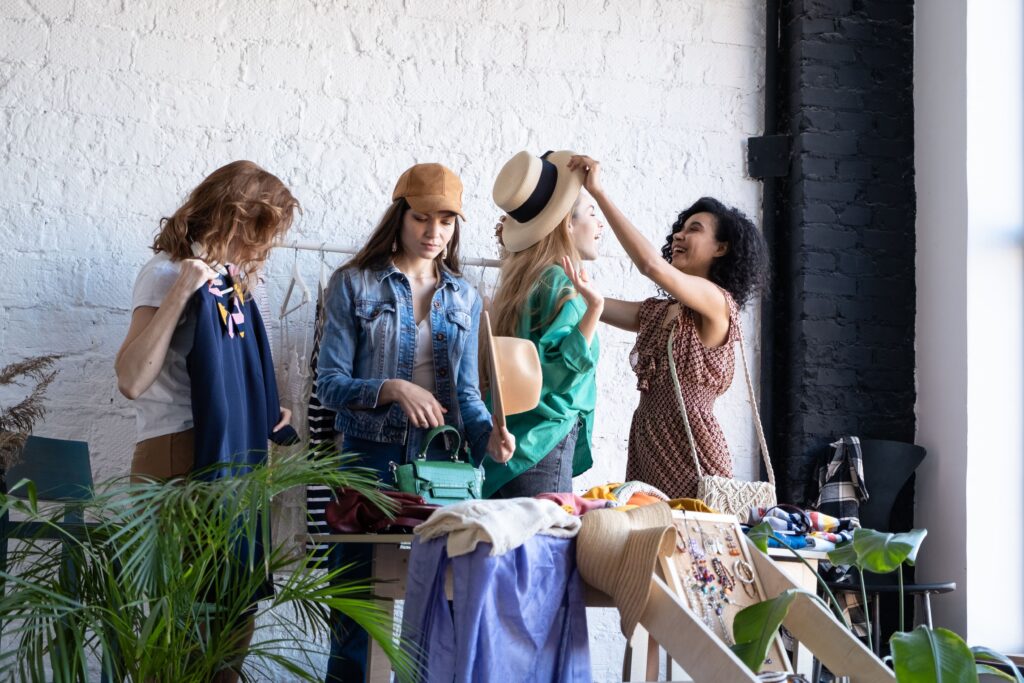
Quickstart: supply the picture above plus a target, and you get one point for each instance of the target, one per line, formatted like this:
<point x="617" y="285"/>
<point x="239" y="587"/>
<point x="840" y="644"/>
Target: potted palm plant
<point x="131" y="591"/>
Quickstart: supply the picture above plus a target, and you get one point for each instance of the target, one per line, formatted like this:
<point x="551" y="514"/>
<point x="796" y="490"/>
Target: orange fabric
<point x="642" y="499"/>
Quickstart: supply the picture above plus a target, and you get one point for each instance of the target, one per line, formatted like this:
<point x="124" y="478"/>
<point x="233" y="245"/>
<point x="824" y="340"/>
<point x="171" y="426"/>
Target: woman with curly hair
<point x="193" y="316"/>
<point x="712" y="263"/>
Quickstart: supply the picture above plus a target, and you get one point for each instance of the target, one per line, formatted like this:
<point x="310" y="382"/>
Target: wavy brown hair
<point x="238" y="213"/>
<point x="521" y="272"/>
<point x="376" y="254"/>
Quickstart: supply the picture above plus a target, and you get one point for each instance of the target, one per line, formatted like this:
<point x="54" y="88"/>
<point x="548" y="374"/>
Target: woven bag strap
<point x="753" y="404"/>
<point x="757" y="415"/>
<point x="682" y="403"/>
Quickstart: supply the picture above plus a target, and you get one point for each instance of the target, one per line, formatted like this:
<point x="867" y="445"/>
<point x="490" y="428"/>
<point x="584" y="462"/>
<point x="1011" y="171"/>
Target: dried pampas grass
<point x="17" y="421"/>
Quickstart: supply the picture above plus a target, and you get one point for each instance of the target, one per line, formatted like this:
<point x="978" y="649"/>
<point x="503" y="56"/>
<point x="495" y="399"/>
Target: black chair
<point x="887" y="467"/>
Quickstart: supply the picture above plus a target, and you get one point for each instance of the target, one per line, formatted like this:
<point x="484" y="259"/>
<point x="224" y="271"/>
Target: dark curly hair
<point x="743" y="269"/>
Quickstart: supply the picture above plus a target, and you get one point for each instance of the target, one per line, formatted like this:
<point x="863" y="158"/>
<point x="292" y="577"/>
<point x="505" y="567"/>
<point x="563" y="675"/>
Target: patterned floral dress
<point x="659" y="452"/>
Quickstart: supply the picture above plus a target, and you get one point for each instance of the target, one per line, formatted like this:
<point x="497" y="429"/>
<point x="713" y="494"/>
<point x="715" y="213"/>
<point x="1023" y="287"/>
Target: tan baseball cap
<point x="429" y="188"/>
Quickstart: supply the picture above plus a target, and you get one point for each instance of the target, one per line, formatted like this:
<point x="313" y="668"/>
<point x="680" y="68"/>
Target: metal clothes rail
<point x="338" y="249"/>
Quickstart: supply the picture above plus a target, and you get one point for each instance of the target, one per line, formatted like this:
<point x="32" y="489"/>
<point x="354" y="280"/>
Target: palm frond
<point x="135" y="587"/>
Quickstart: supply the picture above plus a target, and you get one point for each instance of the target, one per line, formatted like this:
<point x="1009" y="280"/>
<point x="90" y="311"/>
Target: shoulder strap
<point x="753" y="404"/>
<point x="757" y="415"/>
<point x="679" y="396"/>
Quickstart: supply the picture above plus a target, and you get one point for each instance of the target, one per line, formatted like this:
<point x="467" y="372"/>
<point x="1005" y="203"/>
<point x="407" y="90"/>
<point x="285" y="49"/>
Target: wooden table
<point x="391" y="565"/>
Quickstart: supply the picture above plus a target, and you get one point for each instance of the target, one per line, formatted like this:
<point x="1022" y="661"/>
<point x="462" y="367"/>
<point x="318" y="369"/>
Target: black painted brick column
<point x="844" y="249"/>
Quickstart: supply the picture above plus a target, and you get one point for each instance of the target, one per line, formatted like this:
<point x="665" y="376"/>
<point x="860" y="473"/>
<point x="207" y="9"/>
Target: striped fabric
<point x="321" y="434"/>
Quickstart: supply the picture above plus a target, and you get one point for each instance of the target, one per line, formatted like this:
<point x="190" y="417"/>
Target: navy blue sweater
<point x="234" y="392"/>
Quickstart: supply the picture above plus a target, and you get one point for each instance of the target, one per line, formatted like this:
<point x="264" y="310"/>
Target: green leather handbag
<point x="440" y="482"/>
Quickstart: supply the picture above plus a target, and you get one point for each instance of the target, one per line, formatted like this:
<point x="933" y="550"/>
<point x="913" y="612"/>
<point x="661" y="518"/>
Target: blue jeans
<point x="552" y="474"/>
<point x="349" y="641"/>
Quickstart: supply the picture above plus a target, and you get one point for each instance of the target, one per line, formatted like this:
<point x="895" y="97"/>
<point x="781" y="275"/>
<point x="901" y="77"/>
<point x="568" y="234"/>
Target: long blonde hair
<point x="520" y="273"/>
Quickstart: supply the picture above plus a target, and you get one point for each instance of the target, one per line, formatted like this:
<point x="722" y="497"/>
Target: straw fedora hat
<point x="513" y="369"/>
<point x="536" y="193"/>
<point x="617" y="551"/>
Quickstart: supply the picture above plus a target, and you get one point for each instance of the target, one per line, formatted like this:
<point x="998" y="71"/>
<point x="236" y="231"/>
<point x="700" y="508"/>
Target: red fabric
<point x="352" y="513"/>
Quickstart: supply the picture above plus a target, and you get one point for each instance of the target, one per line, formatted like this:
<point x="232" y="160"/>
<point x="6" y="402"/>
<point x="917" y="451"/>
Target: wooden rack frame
<point x="706" y="658"/>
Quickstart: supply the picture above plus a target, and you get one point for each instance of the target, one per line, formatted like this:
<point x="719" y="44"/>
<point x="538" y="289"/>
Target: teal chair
<point x="61" y="473"/>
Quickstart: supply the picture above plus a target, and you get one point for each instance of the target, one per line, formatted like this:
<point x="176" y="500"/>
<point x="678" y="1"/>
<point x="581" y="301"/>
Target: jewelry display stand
<point x="682" y="612"/>
<point x="712" y="568"/>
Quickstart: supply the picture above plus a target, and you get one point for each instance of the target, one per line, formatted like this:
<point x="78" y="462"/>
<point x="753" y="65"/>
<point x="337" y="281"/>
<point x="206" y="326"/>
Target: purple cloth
<point x="515" y="617"/>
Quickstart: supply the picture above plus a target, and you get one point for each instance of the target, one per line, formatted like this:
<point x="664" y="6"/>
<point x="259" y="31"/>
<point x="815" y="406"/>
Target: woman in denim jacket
<point x="399" y="355"/>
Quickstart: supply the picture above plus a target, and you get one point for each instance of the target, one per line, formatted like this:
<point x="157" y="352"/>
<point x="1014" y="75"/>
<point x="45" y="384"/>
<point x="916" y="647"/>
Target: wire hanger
<point x="324" y="277"/>
<point x="296" y="281"/>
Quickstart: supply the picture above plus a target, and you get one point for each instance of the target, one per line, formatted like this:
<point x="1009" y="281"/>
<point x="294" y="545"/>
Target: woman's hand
<point x="286" y="418"/>
<point x="590" y="166"/>
<point x="498" y="229"/>
<point x="420" y="405"/>
<point x="194" y="273"/>
<point x="502" y="445"/>
<point x="581" y="281"/>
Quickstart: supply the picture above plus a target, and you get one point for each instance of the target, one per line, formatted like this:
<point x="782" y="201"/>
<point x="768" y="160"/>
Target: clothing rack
<point x="337" y="249"/>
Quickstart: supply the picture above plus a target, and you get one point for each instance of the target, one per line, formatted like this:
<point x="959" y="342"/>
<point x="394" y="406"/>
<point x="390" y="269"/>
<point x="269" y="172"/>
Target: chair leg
<point x="926" y="598"/>
<point x="3" y="557"/>
<point x="876" y="624"/>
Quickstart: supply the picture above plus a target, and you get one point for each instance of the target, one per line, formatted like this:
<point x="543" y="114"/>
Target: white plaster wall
<point x="110" y="112"/>
<point x="940" y="161"/>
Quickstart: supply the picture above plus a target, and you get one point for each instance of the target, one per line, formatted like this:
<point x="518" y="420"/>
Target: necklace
<point x="717" y="596"/>
<point x="711" y="599"/>
<point x="725" y="579"/>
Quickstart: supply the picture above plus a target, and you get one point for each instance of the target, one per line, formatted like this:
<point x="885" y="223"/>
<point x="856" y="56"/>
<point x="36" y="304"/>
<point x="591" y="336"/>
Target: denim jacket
<point x="370" y="336"/>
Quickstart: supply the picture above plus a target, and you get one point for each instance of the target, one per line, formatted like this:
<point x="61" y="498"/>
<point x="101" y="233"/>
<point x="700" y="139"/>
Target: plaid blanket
<point x="841" y="487"/>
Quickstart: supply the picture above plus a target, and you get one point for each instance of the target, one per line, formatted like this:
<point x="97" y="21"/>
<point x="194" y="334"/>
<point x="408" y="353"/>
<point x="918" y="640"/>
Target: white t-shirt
<point x="423" y="364"/>
<point x="166" y="407"/>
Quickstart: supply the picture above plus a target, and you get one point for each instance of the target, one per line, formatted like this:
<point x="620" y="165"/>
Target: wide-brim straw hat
<point x="514" y="374"/>
<point x="617" y="552"/>
<point x="536" y="193"/>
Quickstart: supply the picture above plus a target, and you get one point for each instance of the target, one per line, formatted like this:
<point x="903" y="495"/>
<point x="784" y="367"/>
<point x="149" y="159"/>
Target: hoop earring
<point x="394" y="246"/>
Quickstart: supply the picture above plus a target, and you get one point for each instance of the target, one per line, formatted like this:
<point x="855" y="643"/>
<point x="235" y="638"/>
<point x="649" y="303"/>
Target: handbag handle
<point x="443" y="429"/>
<point x="750" y="393"/>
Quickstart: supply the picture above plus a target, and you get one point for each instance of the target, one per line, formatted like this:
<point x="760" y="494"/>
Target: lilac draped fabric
<point x="515" y="617"/>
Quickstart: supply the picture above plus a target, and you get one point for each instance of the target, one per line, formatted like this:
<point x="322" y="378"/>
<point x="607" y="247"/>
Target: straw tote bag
<point x="723" y="493"/>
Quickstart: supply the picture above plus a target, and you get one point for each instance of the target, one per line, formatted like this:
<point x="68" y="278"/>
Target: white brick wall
<point x="110" y="112"/>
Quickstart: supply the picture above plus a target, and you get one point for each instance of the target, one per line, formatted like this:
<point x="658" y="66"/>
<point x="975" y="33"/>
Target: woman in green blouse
<point x="550" y="226"/>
